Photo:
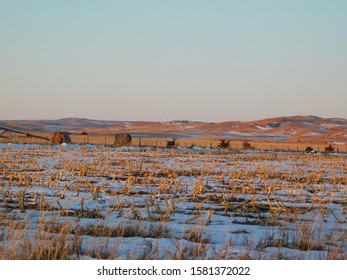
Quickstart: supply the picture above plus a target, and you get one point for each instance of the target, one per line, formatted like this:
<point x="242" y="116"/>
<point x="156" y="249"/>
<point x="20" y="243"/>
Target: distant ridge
<point x="286" y="128"/>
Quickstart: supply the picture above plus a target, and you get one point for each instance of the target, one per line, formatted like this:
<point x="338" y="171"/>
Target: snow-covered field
<point x="86" y="202"/>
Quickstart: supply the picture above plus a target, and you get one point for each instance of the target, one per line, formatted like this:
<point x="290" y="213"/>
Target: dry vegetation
<point x="78" y="202"/>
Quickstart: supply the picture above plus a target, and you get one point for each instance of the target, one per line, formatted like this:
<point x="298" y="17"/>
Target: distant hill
<point x="294" y="128"/>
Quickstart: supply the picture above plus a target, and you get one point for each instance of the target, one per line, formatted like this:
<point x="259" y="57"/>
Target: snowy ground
<point x="146" y="203"/>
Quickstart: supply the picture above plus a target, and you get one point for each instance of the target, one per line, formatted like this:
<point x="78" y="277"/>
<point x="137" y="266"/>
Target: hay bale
<point x="309" y="149"/>
<point x="60" y="137"/>
<point x="122" y="139"/>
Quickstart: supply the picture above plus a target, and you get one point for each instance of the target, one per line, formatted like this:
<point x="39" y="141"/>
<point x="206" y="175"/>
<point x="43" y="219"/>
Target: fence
<point x="108" y="140"/>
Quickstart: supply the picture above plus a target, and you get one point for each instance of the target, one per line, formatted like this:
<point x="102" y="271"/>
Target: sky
<point x="162" y="60"/>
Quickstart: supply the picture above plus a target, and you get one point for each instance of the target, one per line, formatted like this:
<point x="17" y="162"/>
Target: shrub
<point x="329" y="149"/>
<point x="247" y="146"/>
<point x="224" y="144"/>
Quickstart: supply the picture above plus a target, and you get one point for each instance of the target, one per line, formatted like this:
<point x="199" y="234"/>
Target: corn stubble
<point x="78" y="203"/>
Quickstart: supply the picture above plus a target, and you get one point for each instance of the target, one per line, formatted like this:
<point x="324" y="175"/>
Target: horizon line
<point x="172" y="120"/>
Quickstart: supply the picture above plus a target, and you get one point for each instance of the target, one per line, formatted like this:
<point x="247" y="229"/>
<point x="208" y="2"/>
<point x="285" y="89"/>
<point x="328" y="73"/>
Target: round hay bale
<point x="122" y="139"/>
<point x="60" y="137"/>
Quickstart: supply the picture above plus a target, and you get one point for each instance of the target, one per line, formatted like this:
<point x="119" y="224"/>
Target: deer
<point x="224" y="144"/>
<point x="171" y="144"/>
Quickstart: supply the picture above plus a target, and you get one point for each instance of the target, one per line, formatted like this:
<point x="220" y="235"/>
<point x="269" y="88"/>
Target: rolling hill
<point x="293" y="128"/>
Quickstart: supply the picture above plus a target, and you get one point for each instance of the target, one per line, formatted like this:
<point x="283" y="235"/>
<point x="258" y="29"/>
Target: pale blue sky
<point x="165" y="60"/>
